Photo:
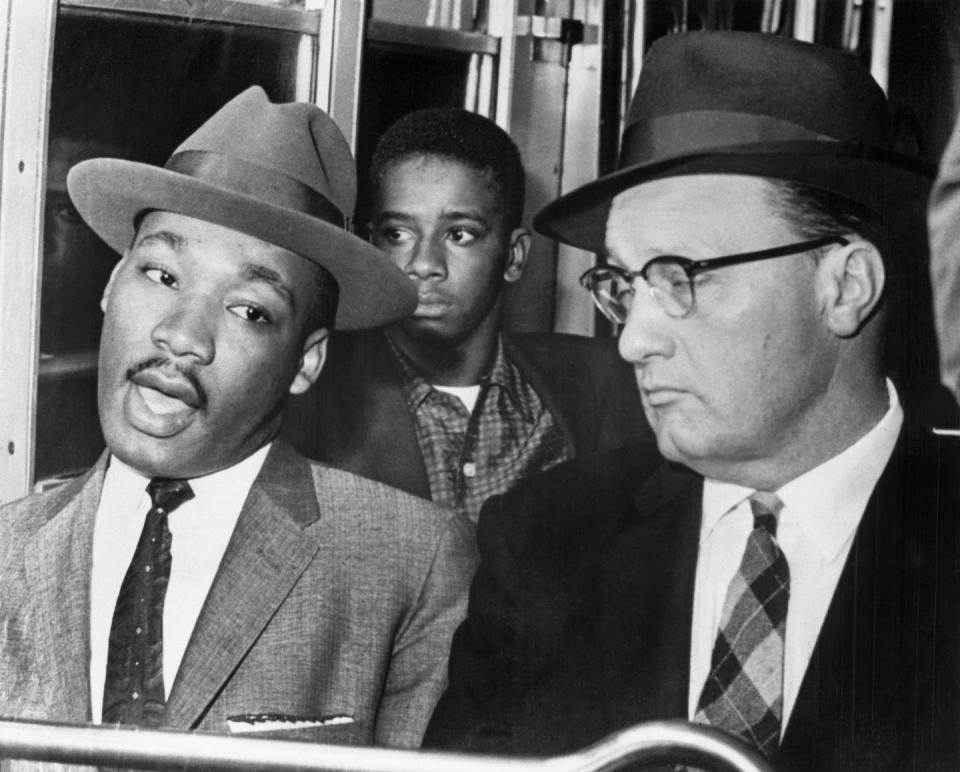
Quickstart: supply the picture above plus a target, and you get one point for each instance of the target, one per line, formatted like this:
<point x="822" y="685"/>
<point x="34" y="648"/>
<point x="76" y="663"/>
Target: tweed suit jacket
<point x="580" y="615"/>
<point x="336" y="595"/>
<point x="356" y="418"/>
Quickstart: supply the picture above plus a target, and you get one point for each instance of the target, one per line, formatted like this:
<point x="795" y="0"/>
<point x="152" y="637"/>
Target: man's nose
<point x="188" y="329"/>
<point x="646" y="334"/>
<point x="427" y="260"/>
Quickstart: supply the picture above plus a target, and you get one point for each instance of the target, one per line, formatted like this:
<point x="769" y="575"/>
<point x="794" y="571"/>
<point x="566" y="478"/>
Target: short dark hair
<point x="908" y="339"/>
<point x="817" y="213"/>
<point x="322" y="310"/>
<point x="460" y="136"/>
<point x="814" y="213"/>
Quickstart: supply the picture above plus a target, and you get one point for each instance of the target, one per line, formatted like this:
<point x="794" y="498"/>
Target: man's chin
<point x="430" y="332"/>
<point x="151" y="460"/>
<point x="674" y="439"/>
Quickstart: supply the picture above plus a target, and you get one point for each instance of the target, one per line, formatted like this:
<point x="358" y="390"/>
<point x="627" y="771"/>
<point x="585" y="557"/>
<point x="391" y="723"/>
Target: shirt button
<point x="469" y="469"/>
<point x="136" y="695"/>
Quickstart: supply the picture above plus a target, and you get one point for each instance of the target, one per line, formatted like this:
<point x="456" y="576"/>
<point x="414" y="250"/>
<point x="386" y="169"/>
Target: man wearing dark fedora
<point x="203" y="575"/>
<point x="783" y="564"/>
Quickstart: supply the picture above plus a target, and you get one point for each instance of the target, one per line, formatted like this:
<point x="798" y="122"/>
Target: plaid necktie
<point x="743" y="694"/>
<point x="133" y="690"/>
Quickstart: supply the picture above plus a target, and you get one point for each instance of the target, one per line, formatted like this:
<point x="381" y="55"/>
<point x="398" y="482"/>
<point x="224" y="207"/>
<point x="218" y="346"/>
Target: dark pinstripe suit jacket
<point x="580" y="613"/>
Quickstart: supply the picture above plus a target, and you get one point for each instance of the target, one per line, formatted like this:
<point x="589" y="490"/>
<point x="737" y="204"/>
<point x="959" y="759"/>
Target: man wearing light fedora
<point x="782" y="565"/>
<point x="203" y="575"/>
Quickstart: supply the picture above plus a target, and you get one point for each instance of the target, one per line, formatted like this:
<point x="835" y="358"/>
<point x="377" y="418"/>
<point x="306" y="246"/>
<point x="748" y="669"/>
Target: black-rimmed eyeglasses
<point x="670" y="279"/>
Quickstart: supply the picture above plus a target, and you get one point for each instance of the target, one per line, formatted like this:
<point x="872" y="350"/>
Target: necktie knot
<point x="766" y="509"/>
<point x="167" y="494"/>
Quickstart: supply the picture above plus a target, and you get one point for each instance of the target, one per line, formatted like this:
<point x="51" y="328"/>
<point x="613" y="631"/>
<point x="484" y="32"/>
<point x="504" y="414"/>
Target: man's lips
<point x="657" y="395"/>
<point x="161" y="401"/>
<point x="174" y="385"/>
<point x="429" y="303"/>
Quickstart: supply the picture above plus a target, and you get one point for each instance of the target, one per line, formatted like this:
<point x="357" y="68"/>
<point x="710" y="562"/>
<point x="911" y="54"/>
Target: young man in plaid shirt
<point x="445" y="404"/>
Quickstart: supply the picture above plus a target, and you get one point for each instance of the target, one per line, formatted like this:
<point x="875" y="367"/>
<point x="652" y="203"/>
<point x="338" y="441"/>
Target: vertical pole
<point x="26" y="45"/>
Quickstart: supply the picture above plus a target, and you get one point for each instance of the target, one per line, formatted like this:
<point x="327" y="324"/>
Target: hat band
<point x="700" y="131"/>
<point x="255" y="181"/>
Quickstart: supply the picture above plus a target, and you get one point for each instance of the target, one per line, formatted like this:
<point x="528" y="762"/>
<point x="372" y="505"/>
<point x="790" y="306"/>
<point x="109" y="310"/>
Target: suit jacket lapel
<point x="266" y="555"/>
<point x="646" y="600"/>
<point x="563" y="394"/>
<point x="61" y="598"/>
<point x="878" y="625"/>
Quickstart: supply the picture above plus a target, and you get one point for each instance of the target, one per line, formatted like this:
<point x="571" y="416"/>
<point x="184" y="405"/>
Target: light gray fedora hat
<point x="280" y="172"/>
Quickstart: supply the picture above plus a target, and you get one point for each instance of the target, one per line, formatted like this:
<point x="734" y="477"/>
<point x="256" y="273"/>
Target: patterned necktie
<point x="133" y="691"/>
<point x="743" y="694"/>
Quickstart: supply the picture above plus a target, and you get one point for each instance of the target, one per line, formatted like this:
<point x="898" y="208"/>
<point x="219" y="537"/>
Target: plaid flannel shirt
<point x="471" y="456"/>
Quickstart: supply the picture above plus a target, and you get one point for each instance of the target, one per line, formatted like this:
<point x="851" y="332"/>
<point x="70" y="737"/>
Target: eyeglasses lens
<point x="671" y="286"/>
<point x="612" y="294"/>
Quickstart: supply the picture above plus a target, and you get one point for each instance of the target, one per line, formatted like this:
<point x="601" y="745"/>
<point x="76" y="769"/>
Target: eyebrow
<point x="257" y="272"/>
<point x="175" y="241"/>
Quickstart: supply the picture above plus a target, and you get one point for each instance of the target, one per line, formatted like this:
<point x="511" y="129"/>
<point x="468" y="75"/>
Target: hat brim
<point x="109" y="193"/>
<point x="896" y="187"/>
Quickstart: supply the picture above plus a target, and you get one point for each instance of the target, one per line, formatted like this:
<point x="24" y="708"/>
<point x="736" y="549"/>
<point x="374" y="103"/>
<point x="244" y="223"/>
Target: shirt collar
<point x="501" y="373"/>
<point x="415" y="388"/>
<point x="129" y="483"/>
<point x="828" y="501"/>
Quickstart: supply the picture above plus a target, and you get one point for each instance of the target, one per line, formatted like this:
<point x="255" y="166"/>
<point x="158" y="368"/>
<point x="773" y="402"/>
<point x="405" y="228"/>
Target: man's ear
<point x="519" y="250"/>
<point x="105" y="297"/>
<point x="311" y="361"/>
<point x="852" y="280"/>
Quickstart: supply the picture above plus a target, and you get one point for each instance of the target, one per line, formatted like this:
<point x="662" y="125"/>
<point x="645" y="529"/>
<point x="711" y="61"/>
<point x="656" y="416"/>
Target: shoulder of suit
<point x="372" y="521"/>
<point x="560" y="343"/>
<point x="32" y="511"/>
<point x="588" y="488"/>
<point x="345" y="494"/>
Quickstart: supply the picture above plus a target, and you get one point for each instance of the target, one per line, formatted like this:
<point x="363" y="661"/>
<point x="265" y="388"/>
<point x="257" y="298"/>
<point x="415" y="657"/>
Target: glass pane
<point x="397" y="80"/>
<point x="130" y="86"/>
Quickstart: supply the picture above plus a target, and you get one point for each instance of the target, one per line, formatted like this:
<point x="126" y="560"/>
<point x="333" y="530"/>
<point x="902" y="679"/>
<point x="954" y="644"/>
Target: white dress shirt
<point x="821" y="512"/>
<point x="200" y="529"/>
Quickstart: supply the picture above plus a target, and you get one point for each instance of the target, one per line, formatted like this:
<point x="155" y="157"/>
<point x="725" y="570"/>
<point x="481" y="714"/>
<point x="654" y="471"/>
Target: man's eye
<point x="395" y="235"/>
<point x="160" y="276"/>
<point x="250" y="313"/>
<point x="462" y="236"/>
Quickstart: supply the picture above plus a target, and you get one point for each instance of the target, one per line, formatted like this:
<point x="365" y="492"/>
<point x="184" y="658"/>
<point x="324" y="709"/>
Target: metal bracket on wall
<point x="549" y="31"/>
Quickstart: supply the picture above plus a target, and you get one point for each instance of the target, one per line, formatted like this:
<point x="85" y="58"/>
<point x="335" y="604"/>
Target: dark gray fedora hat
<point x="759" y="105"/>
<point x="280" y="172"/>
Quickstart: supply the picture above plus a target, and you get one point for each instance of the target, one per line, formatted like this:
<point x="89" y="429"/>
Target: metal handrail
<point x="654" y="742"/>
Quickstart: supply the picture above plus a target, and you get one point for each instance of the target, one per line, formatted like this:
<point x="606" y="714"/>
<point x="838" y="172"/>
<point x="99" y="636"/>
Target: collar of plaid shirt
<point x="502" y="374"/>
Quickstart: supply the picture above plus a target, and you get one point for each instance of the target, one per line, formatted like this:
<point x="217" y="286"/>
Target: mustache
<point x="169" y="365"/>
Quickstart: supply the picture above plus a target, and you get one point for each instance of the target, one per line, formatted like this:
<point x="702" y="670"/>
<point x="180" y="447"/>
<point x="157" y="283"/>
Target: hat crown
<point x="723" y="102"/>
<point x="295" y="140"/>
<point x="771" y="87"/>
